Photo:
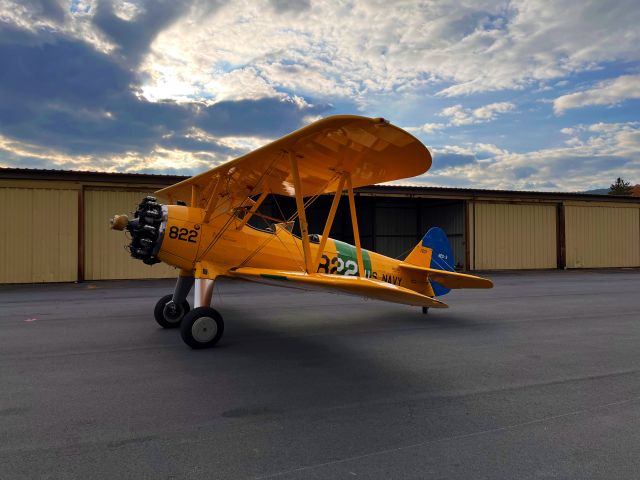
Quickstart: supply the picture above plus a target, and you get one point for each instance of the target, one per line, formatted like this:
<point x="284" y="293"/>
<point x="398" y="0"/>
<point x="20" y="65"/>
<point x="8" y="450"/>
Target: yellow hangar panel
<point x="38" y="235"/>
<point x="599" y="236"/>
<point x="514" y="236"/>
<point x="105" y="255"/>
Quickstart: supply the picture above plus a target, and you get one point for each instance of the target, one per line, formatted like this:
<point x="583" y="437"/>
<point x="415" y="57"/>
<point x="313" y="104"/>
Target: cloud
<point x="454" y="48"/>
<point x="51" y="9"/>
<point x="297" y="6"/>
<point x="451" y="157"/>
<point x="625" y="136"/>
<point x="542" y="41"/>
<point x="139" y="85"/>
<point x="458" y="115"/>
<point x="33" y="12"/>
<point x="447" y="160"/>
<point x="489" y="112"/>
<point x="63" y="93"/>
<point x="132" y="27"/>
<point x="608" y="92"/>
<point x="427" y="128"/>
<point x="165" y="158"/>
<point x="318" y="49"/>
<point x="601" y="153"/>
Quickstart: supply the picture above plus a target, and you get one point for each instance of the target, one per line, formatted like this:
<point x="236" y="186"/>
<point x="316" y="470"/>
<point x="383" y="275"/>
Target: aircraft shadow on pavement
<point x="316" y="359"/>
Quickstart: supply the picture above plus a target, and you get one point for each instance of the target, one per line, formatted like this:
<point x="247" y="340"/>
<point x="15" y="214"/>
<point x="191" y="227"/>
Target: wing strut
<point x="354" y="223"/>
<point x="330" y="218"/>
<point x="194" y="195"/>
<point x="253" y="209"/>
<point x="304" y="227"/>
<point x="213" y="200"/>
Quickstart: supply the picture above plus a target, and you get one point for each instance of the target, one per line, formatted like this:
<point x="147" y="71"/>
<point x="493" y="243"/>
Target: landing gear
<point x="170" y="309"/>
<point x="425" y="310"/>
<point x="202" y="327"/>
<point x="169" y="314"/>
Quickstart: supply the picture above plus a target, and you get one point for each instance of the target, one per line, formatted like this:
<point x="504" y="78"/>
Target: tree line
<point x="620" y="187"/>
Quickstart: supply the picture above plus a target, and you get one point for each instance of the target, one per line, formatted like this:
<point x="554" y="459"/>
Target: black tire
<point x="202" y="327"/>
<point x="170" y="317"/>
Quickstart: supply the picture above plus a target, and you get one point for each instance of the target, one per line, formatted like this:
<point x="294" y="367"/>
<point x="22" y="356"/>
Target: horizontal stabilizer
<point x="451" y="279"/>
<point x="359" y="286"/>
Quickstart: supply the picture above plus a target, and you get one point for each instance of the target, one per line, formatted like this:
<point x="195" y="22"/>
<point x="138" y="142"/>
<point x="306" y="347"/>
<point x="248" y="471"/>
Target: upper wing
<point x="451" y="279"/>
<point x="370" y="149"/>
<point x="363" y="287"/>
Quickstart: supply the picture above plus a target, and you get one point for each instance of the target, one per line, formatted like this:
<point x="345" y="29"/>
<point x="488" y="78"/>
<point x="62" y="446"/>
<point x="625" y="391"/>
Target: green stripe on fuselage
<point x="346" y="253"/>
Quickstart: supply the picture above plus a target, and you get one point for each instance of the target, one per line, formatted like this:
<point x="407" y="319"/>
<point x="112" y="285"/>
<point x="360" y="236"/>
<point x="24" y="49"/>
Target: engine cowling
<point x="167" y="233"/>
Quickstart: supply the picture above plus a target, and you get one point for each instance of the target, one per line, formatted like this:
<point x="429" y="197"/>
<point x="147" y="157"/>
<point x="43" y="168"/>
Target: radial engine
<point x="146" y="229"/>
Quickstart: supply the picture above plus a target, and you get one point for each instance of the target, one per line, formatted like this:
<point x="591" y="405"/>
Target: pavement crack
<point x="448" y="439"/>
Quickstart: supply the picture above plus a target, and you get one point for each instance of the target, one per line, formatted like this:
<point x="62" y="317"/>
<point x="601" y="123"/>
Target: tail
<point x="434" y="251"/>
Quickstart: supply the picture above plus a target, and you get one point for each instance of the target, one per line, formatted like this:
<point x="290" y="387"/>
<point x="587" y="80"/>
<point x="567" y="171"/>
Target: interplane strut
<point x="304" y="227"/>
<point x="330" y="218"/>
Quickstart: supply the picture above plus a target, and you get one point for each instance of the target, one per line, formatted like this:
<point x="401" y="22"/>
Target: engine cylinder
<point x="145" y="231"/>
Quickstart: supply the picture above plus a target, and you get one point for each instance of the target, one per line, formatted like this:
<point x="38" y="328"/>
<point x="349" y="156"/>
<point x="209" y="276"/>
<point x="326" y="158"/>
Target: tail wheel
<point x="169" y="314"/>
<point x="202" y="327"/>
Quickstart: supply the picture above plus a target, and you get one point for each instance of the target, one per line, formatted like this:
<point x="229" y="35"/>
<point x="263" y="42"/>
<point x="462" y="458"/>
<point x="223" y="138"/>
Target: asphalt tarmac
<point x="537" y="378"/>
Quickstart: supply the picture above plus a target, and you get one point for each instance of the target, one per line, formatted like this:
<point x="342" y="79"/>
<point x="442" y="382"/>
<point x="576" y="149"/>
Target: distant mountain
<point x="598" y="191"/>
<point x="605" y="191"/>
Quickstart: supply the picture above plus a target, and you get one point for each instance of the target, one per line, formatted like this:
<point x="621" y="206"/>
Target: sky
<point x="530" y="95"/>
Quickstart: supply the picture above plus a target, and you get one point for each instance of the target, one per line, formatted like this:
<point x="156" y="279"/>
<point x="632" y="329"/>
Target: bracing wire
<point x="439" y="263"/>
<point x="291" y="219"/>
<point x="231" y="218"/>
<point x="404" y="254"/>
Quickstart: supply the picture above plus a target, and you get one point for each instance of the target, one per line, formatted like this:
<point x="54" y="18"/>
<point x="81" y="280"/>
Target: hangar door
<point x="395" y="226"/>
<point x="514" y="236"/>
<point x="105" y="254"/>
<point x="38" y="235"/>
<point x="602" y="236"/>
<point x="400" y="224"/>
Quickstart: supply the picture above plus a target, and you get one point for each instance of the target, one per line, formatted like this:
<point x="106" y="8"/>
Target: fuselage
<point x="224" y="243"/>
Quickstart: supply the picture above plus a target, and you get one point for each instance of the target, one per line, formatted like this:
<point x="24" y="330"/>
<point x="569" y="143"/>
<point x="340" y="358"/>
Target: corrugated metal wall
<point x="396" y="227"/>
<point x="105" y="254"/>
<point x="599" y="236"/>
<point x="38" y="235"/>
<point x="39" y="238"/>
<point x="514" y="236"/>
<point x="400" y="224"/>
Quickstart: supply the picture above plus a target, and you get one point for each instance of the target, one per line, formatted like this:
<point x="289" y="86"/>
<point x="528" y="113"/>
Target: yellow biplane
<point x="204" y="230"/>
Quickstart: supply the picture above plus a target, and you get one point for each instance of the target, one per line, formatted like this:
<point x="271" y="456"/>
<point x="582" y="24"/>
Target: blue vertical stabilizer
<point x="441" y="256"/>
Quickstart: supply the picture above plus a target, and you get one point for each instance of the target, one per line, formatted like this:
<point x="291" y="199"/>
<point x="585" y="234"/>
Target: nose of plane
<point x="144" y="229"/>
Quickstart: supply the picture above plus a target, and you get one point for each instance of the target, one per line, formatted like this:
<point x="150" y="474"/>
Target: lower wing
<point x="359" y="286"/>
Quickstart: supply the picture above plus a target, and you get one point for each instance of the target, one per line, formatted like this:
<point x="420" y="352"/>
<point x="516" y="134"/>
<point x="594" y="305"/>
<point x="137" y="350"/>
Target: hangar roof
<point x="412" y="191"/>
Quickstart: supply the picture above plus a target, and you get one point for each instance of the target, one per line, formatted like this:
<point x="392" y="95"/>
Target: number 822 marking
<point x="337" y="265"/>
<point x="183" y="234"/>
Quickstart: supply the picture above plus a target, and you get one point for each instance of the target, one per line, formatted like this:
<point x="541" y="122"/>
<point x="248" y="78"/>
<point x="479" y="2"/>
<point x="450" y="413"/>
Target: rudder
<point x="434" y="251"/>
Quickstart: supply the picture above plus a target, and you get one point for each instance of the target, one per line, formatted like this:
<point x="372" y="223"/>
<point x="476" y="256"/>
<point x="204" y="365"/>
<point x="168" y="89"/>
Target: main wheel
<point x="169" y="314"/>
<point x="202" y="327"/>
